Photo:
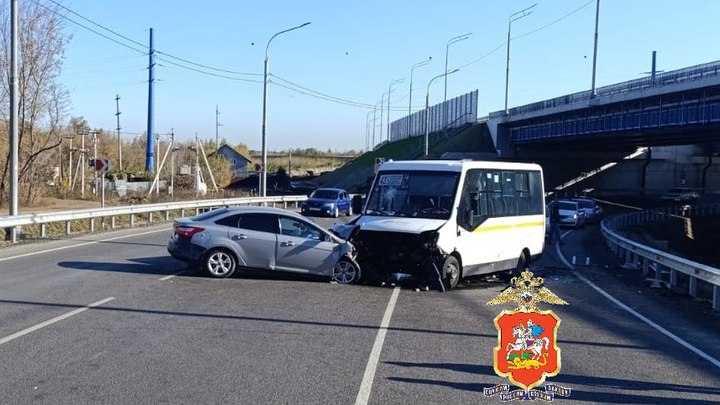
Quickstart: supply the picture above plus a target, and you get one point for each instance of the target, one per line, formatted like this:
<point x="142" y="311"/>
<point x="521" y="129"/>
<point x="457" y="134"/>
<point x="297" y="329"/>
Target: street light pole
<point x="263" y="178"/>
<point x="597" y="16"/>
<point x="427" y="110"/>
<point x="513" y="17"/>
<point x="423" y="63"/>
<point x="447" y="50"/>
<point x="388" y="114"/>
<point x="367" y="130"/>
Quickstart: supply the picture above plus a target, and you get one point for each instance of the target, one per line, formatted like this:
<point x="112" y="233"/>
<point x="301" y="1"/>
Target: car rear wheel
<point x="219" y="263"/>
<point x="451" y="272"/>
<point x="346" y="271"/>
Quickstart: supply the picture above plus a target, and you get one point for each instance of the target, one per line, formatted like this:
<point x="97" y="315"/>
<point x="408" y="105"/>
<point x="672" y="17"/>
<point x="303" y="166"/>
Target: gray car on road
<point x="222" y="240"/>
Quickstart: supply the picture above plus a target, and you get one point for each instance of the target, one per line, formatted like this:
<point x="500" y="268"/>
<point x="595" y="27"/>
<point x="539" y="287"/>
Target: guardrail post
<point x="112" y="222"/>
<point x="150" y="217"/>
<point x="197" y="211"/>
<point x="716" y="298"/>
<point x="673" y="278"/>
<point x="692" y="287"/>
<point x="132" y="220"/>
<point x="182" y="212"/>
<point x="658" y="271"/>
<point x="92" y="224"/>
<point x="43" y="231"/>
<point x="167" y="215"/>
<point x="645" y="266"/>
<point x="67" y="227"/>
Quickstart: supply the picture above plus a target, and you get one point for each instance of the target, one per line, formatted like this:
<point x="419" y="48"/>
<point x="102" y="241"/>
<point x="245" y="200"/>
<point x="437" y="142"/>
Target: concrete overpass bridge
<point x="581" y="132"/>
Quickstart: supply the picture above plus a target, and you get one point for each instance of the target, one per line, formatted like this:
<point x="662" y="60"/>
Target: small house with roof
<point x="238" y="161"/>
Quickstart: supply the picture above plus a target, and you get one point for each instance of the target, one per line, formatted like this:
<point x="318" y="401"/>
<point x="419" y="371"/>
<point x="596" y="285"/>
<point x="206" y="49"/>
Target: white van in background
<point x="442" y="220"/>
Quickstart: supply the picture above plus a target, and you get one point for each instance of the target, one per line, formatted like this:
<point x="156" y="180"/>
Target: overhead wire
<point x="500" y="46"/>
<point x="145" y="48"/>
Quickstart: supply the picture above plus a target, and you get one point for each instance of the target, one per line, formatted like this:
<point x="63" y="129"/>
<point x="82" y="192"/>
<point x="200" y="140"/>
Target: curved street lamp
<point x="427" y="109"/>
<point x="447" y="49"/>
<point x="513" y="17"/>
<point x="388" y="110"/>
<point x="423" y="63"/>
<point x="263" y="178"/>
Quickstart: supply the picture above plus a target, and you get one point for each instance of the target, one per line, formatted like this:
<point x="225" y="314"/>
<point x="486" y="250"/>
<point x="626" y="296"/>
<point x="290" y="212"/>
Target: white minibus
<point x="442" y="220"/>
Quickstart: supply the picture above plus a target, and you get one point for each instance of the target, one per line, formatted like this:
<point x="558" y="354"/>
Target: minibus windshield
<point x="419" y="194"/>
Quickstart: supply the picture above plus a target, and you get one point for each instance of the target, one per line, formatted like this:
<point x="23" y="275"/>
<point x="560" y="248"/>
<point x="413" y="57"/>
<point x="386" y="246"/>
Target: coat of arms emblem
<point x="527" y="350"/>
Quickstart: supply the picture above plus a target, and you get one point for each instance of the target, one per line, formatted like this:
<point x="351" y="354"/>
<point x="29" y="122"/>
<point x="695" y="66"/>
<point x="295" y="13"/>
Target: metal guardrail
<point x="68" y="217"/>
<point x="692" y="73"/>
<point x="651" y="259"/>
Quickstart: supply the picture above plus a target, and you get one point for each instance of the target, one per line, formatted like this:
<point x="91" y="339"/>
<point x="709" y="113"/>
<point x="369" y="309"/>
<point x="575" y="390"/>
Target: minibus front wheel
<point x="451" y="272"/>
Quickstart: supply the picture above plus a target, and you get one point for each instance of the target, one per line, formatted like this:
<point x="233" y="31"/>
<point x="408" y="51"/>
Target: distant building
<point x="238" y="161"/>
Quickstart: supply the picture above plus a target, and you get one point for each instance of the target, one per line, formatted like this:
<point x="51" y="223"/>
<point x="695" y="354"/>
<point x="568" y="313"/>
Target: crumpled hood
<point x="394" y="224"/>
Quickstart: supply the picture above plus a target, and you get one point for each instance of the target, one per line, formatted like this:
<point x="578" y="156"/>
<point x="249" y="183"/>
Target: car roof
<point x="330" y="188"/>
<point x="253" y="209"/>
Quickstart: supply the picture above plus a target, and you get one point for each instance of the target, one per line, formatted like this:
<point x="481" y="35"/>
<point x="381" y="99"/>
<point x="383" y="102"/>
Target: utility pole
<point x="149" y="164"/>
<point x="11" y="233"/>
<point x="157" y="163"/>
<point x="94" y="157"/>
<point x="172" y="162"/>
<point x="217" y="125"/>
<point x="117" y="117"/>
<point x="82" y="163"/>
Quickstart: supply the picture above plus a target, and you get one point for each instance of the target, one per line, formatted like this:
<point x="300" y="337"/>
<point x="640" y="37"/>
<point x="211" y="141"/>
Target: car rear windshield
<point x="209" y="214"/>
<point x="566" y="205"/>
<point x="324" y="194"/>
<point x="585" y="204"/>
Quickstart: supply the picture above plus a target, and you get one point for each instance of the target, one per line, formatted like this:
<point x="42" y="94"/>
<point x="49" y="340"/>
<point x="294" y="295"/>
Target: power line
<point x="207" y="73"/>
<point x="323" y="95"/>
<point x="88" y="28"/>
<point x="144" y="47"/>
<point x="527" y="33"/>
<point x="209" y="67"/>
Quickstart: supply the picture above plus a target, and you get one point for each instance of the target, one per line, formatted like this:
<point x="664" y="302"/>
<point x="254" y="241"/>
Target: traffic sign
<point x="102" y="165"/>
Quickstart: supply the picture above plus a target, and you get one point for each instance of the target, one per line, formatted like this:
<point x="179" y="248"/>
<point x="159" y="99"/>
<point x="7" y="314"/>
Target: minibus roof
<point x="454" y="165"/>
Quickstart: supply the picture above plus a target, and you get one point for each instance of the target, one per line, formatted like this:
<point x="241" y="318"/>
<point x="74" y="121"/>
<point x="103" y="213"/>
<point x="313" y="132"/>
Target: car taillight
<point x="187" y="231"/>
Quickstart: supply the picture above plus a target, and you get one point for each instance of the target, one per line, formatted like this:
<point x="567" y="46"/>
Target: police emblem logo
<point x="527" y="350"/>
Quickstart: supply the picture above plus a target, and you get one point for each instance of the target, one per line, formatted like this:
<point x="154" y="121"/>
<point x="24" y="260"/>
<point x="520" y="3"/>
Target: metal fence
<point x="664" y="265"/>
<point x="449" y="114"/>
<point x="44" y="219"/>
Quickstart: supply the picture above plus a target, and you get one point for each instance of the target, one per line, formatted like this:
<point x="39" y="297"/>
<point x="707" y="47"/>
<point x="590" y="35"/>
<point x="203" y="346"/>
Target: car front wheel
<point x="219" y="263"/>
<point x="346" y="272"/>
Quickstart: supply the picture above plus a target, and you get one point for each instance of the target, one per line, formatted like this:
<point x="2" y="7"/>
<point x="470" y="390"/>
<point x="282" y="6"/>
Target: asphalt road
<point x="111" y="318"/>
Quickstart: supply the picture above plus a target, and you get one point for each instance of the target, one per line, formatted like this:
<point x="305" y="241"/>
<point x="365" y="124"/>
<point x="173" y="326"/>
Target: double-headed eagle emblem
<point x="526" y="291"/>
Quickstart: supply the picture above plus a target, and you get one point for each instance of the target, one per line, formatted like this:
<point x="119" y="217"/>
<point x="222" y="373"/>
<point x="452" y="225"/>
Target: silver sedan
<point x="225" y="239"/>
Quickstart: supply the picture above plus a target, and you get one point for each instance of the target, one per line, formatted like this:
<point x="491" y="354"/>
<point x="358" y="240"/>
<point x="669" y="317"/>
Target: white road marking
<point x="171" y="276"/>
<point x="364" y="394"/>
<point x="81" y="244"/>
<point x="636" y="314"/>
<point x="54" y="320"/>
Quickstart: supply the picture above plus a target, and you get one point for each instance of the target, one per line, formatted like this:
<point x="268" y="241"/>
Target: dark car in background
<point x="593" y="211"/>
<point x="226" y="239"/>
<point x="327" y="201"/>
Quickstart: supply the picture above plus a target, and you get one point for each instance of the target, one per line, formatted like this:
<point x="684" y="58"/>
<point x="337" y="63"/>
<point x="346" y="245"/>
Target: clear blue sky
<point x="353" y="50"/>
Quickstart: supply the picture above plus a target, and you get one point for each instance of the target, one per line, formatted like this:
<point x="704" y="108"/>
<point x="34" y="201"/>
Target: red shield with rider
<point x="527" y="350"/>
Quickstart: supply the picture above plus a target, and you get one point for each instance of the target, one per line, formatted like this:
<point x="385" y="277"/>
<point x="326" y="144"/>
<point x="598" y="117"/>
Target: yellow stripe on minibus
<point x="498" y="227"/>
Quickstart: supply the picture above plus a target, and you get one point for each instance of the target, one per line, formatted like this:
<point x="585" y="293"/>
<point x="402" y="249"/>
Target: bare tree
<point x="42" y="100"/>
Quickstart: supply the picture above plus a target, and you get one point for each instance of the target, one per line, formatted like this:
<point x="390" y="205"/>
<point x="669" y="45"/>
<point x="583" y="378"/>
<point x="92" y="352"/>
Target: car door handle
<point x="238" y="237"/>
<point x="289" y="243"/>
